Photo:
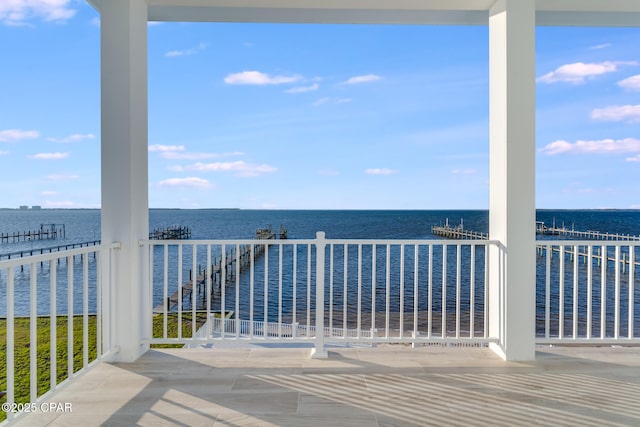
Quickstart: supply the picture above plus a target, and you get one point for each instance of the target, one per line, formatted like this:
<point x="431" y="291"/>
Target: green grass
<point x="22" y="375"/>
<point x="22" y="356"/>
<point x="172" y="326"/>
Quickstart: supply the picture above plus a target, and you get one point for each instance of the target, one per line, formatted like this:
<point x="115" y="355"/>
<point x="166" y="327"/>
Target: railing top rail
<point x="465" y="242"/>
<point x="226" y="242"/>
<point x="16" y="262"/>
<point x="594" y="243"/>
<point x="314" y="241"/>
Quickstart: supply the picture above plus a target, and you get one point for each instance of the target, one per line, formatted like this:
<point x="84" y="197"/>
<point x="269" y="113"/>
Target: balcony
<point x="398" y="318"/>
<point x="388" y="385"/>
<point x="119" y="299"/>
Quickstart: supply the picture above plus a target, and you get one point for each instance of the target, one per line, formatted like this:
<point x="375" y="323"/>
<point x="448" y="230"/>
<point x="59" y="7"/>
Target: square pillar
<point x="124" y="163"/>
<point x="512" y="272"/>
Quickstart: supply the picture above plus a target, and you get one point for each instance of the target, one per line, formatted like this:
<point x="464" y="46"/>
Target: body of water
<point x="84" y="225"/>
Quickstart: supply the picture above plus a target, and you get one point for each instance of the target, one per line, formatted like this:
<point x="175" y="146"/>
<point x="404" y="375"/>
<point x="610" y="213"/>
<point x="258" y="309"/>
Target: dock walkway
<point x="46" y="232"/>
<point x="574" y="251"/>
<point x="458" y="233"/>
<point x="225" y="265"/>
<point x="586" y="235"/>
<point x="170" y="233"/>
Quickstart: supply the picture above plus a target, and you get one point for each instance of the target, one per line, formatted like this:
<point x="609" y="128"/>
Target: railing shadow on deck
<point x="390" y="385"/>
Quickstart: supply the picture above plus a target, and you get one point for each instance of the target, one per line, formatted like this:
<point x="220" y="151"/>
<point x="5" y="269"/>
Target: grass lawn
<point x="22" y="376"/>
<point x="22" y="344"/>
<point x="172" y="326"/>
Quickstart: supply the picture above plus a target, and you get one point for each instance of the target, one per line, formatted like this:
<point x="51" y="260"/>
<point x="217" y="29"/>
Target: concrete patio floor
<point x="391" y="385"/>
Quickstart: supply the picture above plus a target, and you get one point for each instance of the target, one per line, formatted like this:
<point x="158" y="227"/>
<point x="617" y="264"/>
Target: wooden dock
<point x="269" y="233"/>
<point x="225" y="265"/>
<point x="459" y="232"/>
<point x="585" y="235"/>
<point x="582" y="253"/>
<point x="175" y="232"/>
<point x="244" y="258"/>
<point x="46" y="232"/>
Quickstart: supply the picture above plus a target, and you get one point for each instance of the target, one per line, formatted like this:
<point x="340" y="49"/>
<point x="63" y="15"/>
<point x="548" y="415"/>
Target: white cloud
<point x="321" y="101"/>
<point x="3" y="153"/>
<point x="174" y="155"/>
<point x="600" y="46"/>
<point x="190" y="182"/>
<point x="12" y="135"/>
<point x="76" y="137"/>
<point x="380" y="171"/>
<point x="258" y="78"/>
<point x="362" y="79"/>
<point x="177" y="152"/>
<point x="186" y="52"/>
<point x="165" y="148"/>
<point x="464" y="171"/>
<point x="631" y="83"/>
<point x="18" y="12"/>
<point x="604" y="146"/>
<point x="328" y="172"/>
<point x="62" y="177"/>
<point x="303" y="89"/>
<point x="579" y="72"/>
<point x="617" y="113"/>
<point x="240" y="167"/>
<point x="48" y="156"/>
<point x="48" y="193"/>
<point x="633" y="159"/>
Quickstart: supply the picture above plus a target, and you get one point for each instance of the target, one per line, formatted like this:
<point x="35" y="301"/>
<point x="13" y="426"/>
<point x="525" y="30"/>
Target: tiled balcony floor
<point x="389" y="385"/>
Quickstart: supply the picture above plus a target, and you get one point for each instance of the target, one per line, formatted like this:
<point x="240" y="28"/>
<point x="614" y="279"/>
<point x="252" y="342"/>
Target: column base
<point x="319" y="354"/>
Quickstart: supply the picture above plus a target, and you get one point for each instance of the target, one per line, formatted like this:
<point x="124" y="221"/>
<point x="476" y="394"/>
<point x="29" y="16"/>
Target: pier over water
<point x="222" y="270"/>
<point x="46" y="232"/>
<point x="583" y="235"/>
<point x="459" y="232"/>
<point x="573" y="251"/>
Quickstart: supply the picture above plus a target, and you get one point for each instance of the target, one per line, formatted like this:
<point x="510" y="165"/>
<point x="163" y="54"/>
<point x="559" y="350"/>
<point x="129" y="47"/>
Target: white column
<point x="319" y="352"/>
<point x="512" y="178"/>
<point x="125" y="203"/>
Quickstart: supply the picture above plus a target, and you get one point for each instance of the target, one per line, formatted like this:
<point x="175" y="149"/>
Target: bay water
<point x="84" y="225"/>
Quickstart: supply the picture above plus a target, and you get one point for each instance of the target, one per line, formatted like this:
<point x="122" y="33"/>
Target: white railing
<point x="51" y="305"/>
<point x="399" y="291"/>
<point x="354" y="291"/>
<point x="587" y="292"/>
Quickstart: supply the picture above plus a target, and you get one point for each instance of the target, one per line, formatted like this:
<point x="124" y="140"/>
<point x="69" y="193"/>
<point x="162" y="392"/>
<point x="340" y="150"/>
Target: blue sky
<point x="313" y="116"/>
